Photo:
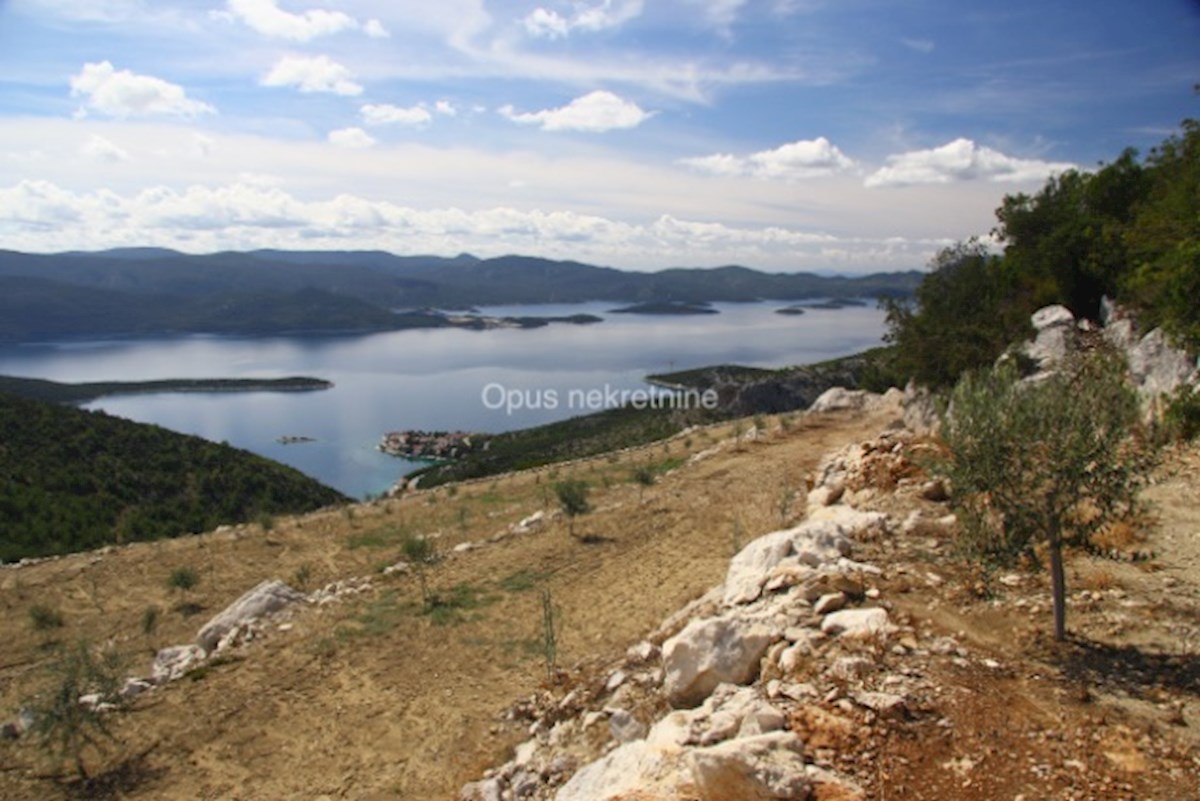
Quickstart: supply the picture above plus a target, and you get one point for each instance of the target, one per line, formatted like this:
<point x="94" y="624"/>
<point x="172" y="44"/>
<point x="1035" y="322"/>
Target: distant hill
<point x="72" y="480"/>
<point x="143" y="291"/>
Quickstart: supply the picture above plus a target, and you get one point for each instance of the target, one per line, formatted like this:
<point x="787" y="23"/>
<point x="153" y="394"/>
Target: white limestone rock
<point x="814" y="542"/>
<point x="636" y="767"/>
<point x="837" y="399"/>
<point x="624" y="727"/>
<point x="172" y="663"/>
<point x="769" y="766"/>
<point x="266" y="598"/>
<point x="1056" y="334"/>
<point x="709" y="652"/>
<point x="856" y="623"/>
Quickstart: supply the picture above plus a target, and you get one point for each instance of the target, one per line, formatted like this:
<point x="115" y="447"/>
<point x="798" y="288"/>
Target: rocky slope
<point x="782" y="614"/>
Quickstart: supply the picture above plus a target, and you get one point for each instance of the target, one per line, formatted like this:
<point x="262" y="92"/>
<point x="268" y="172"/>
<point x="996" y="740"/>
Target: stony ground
<point x="366" y="697"/>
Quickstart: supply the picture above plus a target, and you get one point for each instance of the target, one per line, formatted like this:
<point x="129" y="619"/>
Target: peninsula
<point x="59" y="392"/>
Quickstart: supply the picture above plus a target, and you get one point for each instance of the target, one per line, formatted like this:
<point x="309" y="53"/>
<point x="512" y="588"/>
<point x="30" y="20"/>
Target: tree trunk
<point x="1059" y="588"/>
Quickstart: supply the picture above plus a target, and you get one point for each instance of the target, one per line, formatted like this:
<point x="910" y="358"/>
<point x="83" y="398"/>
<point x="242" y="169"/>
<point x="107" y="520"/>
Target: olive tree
<point x="1048" y="460"/>
<point x="573" y="498"/>
<point x="67" y="722"/>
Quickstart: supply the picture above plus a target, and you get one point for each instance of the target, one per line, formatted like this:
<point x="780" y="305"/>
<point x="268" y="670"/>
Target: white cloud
<point x="920" y="45"/>
<point x="384" y="114"/>
<point x="201" y="146"/>
<point x="445" y="108"/>
<point x="805" y="158"/>
<point x="548" y="24"/>
<point x="596" y="112"/>
<point x="374" y="28"/>
<point x="961" y="160"/>
<point x="100" y="149"/>
<point x="39" y="216"/>
<point x="121" y="93"/>
<point x="315" y="74"/>
<point x="267" y="18"/>
<point x="351" y="138"/>
<point x="720" y="14"/>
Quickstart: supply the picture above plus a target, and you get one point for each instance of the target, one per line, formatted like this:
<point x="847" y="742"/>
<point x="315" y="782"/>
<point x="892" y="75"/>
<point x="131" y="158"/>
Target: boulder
<point x="650" y="771"/>
<point x="814" y="542"/>
<point x="709" y="652"/>
<point x="769" y="766"/>
<point x="837" y="399"/>
<point x="856" y="622"/>
<point x="267" y="598"/>
<point x="1156" y="367"/>
<point x="1056" y="334"/>
<point x="920" y="409"/>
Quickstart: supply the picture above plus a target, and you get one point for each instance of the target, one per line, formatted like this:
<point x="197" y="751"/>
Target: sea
<point x="445" y="379"/>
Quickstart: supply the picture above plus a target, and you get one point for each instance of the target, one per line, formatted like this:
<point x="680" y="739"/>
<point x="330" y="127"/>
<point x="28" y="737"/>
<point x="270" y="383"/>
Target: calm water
<point x="433" y="380"/>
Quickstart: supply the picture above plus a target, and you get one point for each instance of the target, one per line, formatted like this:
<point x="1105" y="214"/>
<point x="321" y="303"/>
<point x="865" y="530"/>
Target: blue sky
<point x="830" y="135"/>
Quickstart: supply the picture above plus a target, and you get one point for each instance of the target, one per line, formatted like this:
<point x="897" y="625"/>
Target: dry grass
<point x="371" y="698"/>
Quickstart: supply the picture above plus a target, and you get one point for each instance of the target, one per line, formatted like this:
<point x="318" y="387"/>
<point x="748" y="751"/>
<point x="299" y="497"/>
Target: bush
<point x="1181" y="419"/>
<point x="1045" y="462"/>
<point x="183" y="579"/>
<point x="65" y="726"/>
<point x="45" y="618"/>
<point x="964" y="314"/>
<point x="573" y="498"/>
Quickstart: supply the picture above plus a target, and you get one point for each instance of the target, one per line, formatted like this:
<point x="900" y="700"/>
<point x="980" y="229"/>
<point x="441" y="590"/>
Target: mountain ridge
<point x="148" y="291"/>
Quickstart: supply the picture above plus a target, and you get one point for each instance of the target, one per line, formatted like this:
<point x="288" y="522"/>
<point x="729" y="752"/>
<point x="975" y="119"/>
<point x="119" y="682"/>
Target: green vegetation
<point x="1181" y="419"/>
<point x="572" y="496"/>
<point x="666" y="307"/>
<point x="183" y="579"/>
<point x="45" y="618"/>
<point x="71" y="480"/>
<point x="965" y="313"/>
<point x="1042" y="462"/>
<point x="575" y="438"/>
<point x="65" y="726"/>
<point x="272" y="292"/>
<point x="1129" y="231"/>
<point x="39" y="389"/>
<point x="421" y="553"/>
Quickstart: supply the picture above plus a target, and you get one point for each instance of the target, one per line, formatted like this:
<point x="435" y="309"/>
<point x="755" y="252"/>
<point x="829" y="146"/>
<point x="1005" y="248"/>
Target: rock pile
<point x="752" y="690"/>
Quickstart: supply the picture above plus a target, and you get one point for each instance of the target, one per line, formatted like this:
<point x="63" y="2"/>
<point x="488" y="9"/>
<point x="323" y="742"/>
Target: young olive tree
<point x="65" y="724"/>
<point x="573" y="498"/>
<point x="1044" y="461"/>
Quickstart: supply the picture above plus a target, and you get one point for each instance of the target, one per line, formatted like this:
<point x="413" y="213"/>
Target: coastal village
<point x="431" y="445"/>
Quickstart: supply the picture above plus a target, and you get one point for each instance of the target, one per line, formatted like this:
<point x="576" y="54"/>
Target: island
<point x="666" y="307"/>
<point x="834" y="304"/>
<point x="84" y="392"/>
<point x="793" y="311"/>
<point x="432" y="445"/>
<point x="473" y="320"/>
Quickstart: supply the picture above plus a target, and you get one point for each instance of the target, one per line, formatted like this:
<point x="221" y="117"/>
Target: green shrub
<point x="45" y="618"/>
<point x="421" y="553"/>
<point x="1045" y="462"/>
<point x="65" y="727"/>
<point x="573" y="498"/>
<point x="183" y="578"/>
<point x="1181" y="419"/>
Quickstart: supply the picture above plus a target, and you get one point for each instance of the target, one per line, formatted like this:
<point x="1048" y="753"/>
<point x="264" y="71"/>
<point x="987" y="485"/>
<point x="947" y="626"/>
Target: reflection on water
<point x="428" y="379"/>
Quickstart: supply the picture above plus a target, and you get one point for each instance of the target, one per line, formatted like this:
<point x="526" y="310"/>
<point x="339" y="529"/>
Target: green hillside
<point x="72" y="480"/>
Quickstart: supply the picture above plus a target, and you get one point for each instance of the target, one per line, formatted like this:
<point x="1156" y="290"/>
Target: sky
<point x="835" y="136"/>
